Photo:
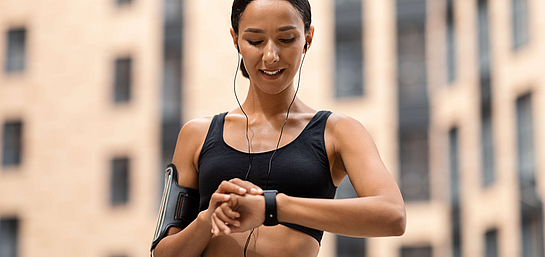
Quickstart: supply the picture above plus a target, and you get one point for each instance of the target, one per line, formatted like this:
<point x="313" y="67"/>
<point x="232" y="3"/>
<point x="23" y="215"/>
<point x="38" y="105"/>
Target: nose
<point x="270" y="53"/>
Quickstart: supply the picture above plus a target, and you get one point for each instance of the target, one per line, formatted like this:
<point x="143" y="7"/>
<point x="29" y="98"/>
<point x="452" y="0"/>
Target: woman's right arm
<point x="192" y="240"/>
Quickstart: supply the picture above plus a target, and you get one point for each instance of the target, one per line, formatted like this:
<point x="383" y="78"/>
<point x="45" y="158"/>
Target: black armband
<point x="179" y="206"/>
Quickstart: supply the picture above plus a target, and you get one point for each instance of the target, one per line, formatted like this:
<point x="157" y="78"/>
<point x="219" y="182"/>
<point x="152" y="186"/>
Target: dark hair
<point x="303" y="6"/>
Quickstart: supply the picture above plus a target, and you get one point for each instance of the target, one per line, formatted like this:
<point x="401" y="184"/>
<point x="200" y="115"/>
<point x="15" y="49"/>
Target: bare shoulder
<point x="194" y="130"/>
<point x="346" y="131"/>
<point x="188" y="145"/>
<point x="339" y="123"/>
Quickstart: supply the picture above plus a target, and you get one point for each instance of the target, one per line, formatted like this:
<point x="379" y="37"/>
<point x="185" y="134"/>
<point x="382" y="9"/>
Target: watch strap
<point x="270" y="208"/>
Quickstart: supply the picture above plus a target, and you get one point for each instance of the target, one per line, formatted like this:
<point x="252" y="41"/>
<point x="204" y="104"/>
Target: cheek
<point x="251" y="58"/>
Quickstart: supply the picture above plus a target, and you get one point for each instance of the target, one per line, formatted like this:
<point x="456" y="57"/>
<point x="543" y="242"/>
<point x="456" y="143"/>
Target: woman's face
<point x="271" y="40"/>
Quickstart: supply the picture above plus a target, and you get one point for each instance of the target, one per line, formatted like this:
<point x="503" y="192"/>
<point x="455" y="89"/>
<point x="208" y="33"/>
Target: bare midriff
<point x="265" y="242"/>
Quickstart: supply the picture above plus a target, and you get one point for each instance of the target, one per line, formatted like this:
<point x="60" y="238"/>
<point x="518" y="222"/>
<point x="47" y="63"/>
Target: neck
<point x="269" y="105"/>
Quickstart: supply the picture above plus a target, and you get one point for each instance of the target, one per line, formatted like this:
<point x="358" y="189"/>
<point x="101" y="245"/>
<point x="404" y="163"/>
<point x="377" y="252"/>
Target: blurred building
<point x="93" y="93"/>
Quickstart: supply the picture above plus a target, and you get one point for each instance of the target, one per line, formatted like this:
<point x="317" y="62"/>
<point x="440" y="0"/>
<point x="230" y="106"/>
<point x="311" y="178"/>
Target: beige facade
<point x="72" y="128"/>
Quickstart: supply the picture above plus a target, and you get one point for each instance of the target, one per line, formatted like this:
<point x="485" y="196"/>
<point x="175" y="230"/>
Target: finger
<point x="249" y="186"/>
<point x="214" y="226"/>
<point x="233" y="202"/>
<point x="217" y="198"/>
<point x="228" y="187"/>
<point x="225" y="217"/>
<point x="226" y="208"/>
<point x="222" y="227"/>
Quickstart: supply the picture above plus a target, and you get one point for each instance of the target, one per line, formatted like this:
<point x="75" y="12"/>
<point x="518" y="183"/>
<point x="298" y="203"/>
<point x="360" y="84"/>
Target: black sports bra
<point x="299" y="169"/>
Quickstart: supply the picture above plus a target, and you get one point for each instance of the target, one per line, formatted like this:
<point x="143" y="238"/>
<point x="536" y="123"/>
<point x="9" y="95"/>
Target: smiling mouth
<point x="272" y="73"/>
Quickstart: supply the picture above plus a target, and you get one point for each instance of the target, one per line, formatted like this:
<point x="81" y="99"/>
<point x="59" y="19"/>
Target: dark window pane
<point x="488" y="174"/>
<point x="484" y="37"/>
<point x="123" y="75"/>
<point x="531" y="205"/>
<point x="12" y="143"/>
<point x="532" y="226"/>
<point x="348" y="48"/>
<point x="413" y="104"/>
<point x="425" y="251"/>
<point x="9" y="234"/>
<point x="120" y="181"/>
<point x="455" y="194"/>
<point x="491" y="243"/>
<point x="414" y="165"/>
<point x="525" y="139"/>
<point x="349" y="246"/>
<point x="451" y="42"/>
<point x="123" y="2"/>
<point x="15" y="60"/>
<point x="487" y="146"/>
<point x="520" y="23"/>
<point x="171" y="104"/>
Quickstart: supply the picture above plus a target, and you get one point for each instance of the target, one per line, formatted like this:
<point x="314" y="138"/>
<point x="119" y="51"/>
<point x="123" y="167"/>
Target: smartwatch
<point x="270" y="208"/>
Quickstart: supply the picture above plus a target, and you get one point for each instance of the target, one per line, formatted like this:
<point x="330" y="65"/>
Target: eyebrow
<point x="254" y="30"/>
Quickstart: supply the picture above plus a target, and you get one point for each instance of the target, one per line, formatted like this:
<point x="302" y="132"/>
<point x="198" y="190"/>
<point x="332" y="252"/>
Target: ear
<point x="309" y="36"/>
<point x="235" y="39"/>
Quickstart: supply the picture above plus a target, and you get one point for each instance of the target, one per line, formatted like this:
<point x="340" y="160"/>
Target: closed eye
<point x="254" y="43"/>
<point x="289" y="40"/>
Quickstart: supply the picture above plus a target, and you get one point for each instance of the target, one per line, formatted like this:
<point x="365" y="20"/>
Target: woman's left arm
<point x="379" y="209"/>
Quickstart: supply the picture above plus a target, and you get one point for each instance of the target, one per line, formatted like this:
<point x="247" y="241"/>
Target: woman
<point x="286" y="145"/>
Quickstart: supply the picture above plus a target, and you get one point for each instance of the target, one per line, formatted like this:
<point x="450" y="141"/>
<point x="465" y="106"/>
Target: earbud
<point x="305" y="47"/>
<point x="238" y="49"/>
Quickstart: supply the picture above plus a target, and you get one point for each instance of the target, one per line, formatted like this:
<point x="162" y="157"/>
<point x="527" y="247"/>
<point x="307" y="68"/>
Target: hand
<point x="239" y="214"/>
<point x="234" y="186"/>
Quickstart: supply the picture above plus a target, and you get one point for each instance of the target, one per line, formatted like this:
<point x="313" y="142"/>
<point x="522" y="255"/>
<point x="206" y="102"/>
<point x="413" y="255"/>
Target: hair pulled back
<point x="303" y="6"/>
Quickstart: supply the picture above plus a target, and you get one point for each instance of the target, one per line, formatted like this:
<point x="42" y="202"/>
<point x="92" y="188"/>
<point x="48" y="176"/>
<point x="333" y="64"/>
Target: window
<point x="413" y="106"/>
<point x="531" y="205"/>
<point x="349" y="246"/>
<point x="15" y="58"/>
<point x="424" y="251"/>
<point x="9" y="235"/>
<point x="120" y="181"/>
<point x="520" y="23"/>
<point x="12" y="143"/>
<point x="413" y="147"/>
<point x="451" y="42"/>
<point x="491" y="243"/>
<point x="525" y="140"/>
<point x="171" y="104"/>
<point x="486" y="96"/>
<point x="123" y="2"/>
<point x="455" y="193"/>
<point x="348" y="48"/>
<point x="532" y="228"/>
<point x="487" y="145"/>
<point x="123" y="73"/>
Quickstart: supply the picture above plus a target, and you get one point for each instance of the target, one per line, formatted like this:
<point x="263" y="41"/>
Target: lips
<point x="272" y="74"/>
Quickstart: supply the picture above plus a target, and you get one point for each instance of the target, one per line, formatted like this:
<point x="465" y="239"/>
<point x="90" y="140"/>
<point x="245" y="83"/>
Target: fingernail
<point x="236" y="225"/>
<point x="226" y="231"/>
<point x="242" y="190"/>
<point x="260" y="191"/>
